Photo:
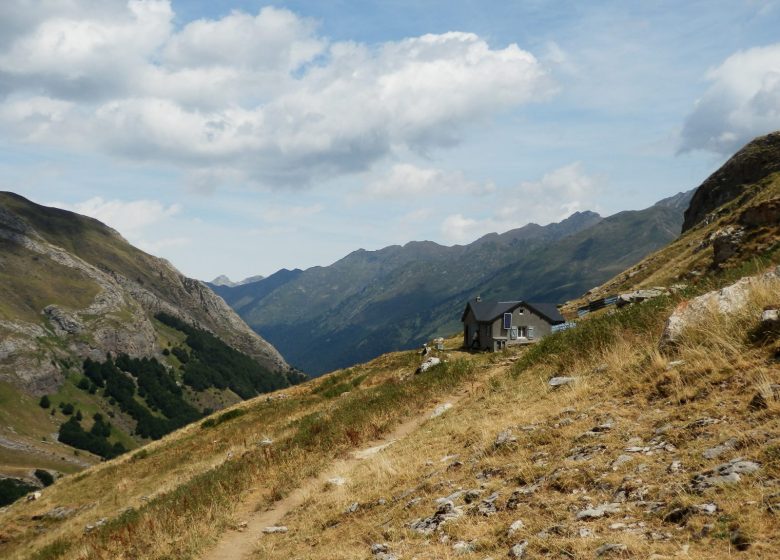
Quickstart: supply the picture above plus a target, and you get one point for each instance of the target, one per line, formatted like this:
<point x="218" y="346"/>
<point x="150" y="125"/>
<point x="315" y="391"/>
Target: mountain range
<point x="371" y="302"/>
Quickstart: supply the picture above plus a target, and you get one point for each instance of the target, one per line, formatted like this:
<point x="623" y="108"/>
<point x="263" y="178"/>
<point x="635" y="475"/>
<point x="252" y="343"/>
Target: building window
<point x="507" y="321"/>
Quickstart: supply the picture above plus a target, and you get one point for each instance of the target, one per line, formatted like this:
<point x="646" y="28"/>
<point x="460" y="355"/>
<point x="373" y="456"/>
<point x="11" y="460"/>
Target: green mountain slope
<point x="166" y="349"/>
<point x="372" y="302"/>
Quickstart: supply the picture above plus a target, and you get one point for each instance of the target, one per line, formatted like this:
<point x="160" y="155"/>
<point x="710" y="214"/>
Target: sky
<point x="241" y="137"/>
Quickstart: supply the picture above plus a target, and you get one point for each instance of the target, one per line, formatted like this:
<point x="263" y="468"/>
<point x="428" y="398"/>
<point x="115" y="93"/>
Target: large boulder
<point x="724" y="301"/>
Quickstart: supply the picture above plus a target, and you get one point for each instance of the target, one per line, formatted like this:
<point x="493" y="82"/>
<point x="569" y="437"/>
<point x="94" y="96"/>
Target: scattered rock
<point x="707" y="509"/>
<point x="336" y="481"/>
<point x="760" y="400"/>
<point x="701" y="423"/>
<point x="505" y="438"/>
<point x="599" y="511"/>
<point x="726" y="473"/>
<point x="584" y="453"/>
<point x="521" y="493"/>
<point x="585" y="533"/>
<point x="772" y="503"/>
<point x="96" y="525"/>
<point x="275" y="529"/>
<point x="515" y="527"/>
<point x="463" y="547"/>
<point x="723" y="448"/>
<point x="556" y="382"/>
<point x="428" y="364"/>
<point x="32" y="496"/>
<point x="430" y="524"/>
<point x="638" y="296"/>
<point x="441" y="409"/>
<point x="674" y="466"/>
<point x="679" y="515"/>
<point x="620" y="461"/>
<point x="518" y="550"/>
<point x="610" y="548"/>
<point x="58" y="513"/>
<point x="352" y="508"/>
<point x="381" y="551"/>
<point x="487" y="507"/>
<point x="726" y="242"/>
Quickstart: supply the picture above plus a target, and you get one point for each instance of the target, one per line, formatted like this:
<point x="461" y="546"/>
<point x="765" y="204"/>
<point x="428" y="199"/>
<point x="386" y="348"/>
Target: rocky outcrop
<point x="724" y="301"/>
<point x="758" y="159"/>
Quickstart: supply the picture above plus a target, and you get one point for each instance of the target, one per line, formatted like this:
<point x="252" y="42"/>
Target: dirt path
<point x="236" y="545"/>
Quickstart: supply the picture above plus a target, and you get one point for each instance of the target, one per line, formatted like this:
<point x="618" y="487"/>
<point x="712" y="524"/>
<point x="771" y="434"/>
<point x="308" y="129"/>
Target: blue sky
<point x="243" y="137"/>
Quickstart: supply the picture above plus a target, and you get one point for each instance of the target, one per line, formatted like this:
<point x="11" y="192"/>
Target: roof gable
<point x="489" y="311"/>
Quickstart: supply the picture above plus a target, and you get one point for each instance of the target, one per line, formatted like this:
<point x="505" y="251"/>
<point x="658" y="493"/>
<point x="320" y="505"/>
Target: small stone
<point x="441" y="409"/>
<point x="337" y="481"/>
<point x="600" y="511"/>
<point x="556" y="382"/>
<point x="505" y="438"/>
<point x="33" y="496"/>
<point x="353" y="507"/>
<point x="275" y="529"/>
<point x="96" y="525"/>
<point x="611" y="548"/>
<point x="487" y="507"/>
<point x="518" y="550"/>
<point x="718" y="450"/>
<point x="621" y="460"/>
<point x="515" y="527"/>
<point x="585" y="533"/>
<point x="707" y="509"/>
<point x="463" y="547"/>
<point x="674" y="466"/>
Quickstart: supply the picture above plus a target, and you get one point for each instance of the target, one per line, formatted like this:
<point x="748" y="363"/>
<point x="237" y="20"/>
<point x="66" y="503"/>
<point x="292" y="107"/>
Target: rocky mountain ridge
<point x="372" y="302"/>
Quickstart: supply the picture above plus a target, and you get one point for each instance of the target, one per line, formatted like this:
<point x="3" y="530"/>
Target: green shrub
<point x="57" y="549"/>
<point x="44" y="402"/>
<point x="229" y="415"/>
<point x="45" y="477"/>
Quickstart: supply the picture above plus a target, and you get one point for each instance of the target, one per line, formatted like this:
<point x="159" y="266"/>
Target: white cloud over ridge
<point x="555" y="196"/>
<point x="409" y="180"/>
<point x="742" y="101"/>
<point x="259" y="95"/>
<point x="129" y="218"/>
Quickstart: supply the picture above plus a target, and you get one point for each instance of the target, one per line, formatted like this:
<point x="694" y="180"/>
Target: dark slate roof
<point x="488" y="311"/>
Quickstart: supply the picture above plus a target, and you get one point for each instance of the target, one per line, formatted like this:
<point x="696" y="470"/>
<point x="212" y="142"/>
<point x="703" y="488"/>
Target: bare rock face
<point x="763" y="214"/>
<point x="726" y="300"/>
<point x="758" y="159"/>
<point x="726" y="243"/>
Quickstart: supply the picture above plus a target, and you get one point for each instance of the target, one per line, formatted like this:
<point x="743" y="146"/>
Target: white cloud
<point x="129" y="218"/>
<point x="555" y="196"/>
<point x="407" y="180"/>
<point x="260" y="96"/>
<point x="742" y="101"/>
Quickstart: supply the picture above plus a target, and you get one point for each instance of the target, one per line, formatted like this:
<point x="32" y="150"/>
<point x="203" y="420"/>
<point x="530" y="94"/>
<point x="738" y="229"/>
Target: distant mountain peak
<point x="223" y="280"/>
